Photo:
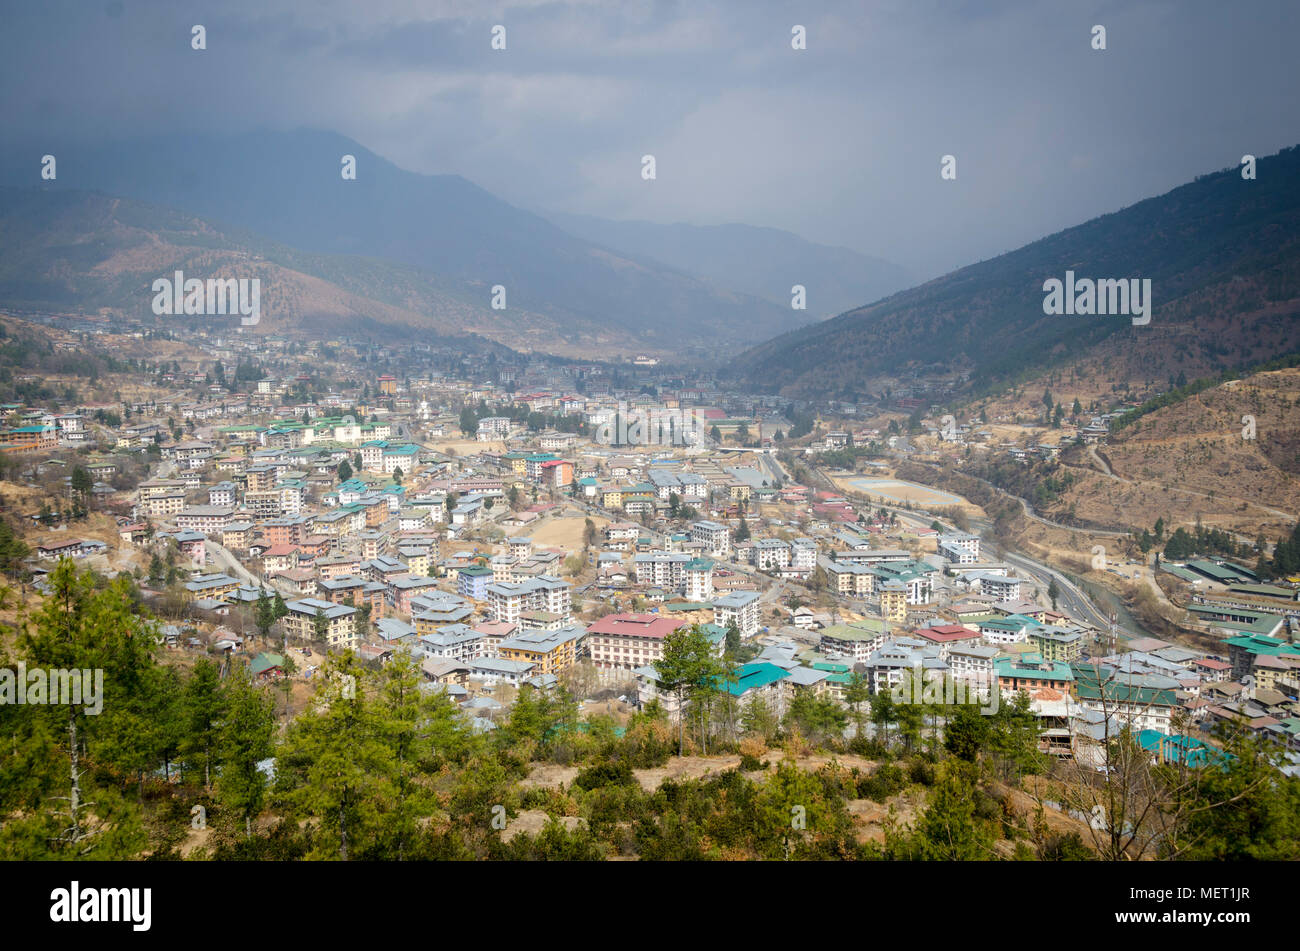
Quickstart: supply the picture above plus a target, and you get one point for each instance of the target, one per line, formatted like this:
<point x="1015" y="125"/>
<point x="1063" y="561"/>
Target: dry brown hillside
<point x="1191" y="459"/>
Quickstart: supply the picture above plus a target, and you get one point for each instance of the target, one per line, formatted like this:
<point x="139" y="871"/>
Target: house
<point x="265" y="666"/>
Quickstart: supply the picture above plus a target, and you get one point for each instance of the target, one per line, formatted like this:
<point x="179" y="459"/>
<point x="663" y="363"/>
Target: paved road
<point x="1072" y="599"/>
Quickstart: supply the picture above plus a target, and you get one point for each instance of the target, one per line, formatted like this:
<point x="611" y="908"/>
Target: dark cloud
<point x="840" y="142"/>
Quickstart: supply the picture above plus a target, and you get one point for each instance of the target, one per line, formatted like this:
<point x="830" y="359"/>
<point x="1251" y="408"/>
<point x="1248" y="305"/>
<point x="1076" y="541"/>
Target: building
<point x="208" y="519"/>
<point x="492" y="428"/>
<point x="960" y="548"/>
<point x="858" y="640"/>
<point x="1031" y="671"/>
<point x="698" y="577"/>
<point x="628" y="641"/>
<point x="715" y="538"/>
<point x="893" y="602"/>
<point x="340" y="622"/>
<point x="662" y="569"/>
<point x="740" y="607"/>
<point x="508" y="602"/>
<point x="551" y="652"/>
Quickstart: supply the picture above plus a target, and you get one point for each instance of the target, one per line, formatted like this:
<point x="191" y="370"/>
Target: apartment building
<point x="715" y="538"/>
<point x="508" y="602"/>
<point x="340" y="622"/>
<point x="628" y="641"/>
<point x="208" y="519"/>
<point x="740" y="607"/>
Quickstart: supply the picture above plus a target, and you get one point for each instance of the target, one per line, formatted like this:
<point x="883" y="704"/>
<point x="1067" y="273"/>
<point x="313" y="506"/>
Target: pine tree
<point x="243" y="741"/>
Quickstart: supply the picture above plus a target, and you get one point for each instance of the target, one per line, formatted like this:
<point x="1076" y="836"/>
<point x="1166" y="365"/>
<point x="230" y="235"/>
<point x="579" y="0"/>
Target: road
<point x="1071" y="598"/>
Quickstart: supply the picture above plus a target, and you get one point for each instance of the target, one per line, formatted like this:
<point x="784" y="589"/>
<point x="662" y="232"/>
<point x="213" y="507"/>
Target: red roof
<point x="634" y="625"/>
<point x="943" y="633"/>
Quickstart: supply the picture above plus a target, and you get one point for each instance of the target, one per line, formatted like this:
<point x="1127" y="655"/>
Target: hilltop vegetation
<point x="376" y="768"/>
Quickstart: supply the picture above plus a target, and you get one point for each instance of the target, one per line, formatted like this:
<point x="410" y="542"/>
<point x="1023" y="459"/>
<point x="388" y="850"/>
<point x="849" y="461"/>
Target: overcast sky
<point x="840" y="143"/>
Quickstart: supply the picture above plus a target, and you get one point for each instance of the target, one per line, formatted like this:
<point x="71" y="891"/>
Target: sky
<point x="841" y="142"/>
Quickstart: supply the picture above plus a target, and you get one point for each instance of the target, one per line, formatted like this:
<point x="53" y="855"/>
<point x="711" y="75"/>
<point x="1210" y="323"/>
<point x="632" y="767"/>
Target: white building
<point x="715" y="538"/>
<point x="738" y="606"/>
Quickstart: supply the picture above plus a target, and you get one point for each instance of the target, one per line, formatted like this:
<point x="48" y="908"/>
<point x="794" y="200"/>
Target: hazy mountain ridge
<point x="288" y="188"/>
<point x="1223" y="254"/>
<point x="763" y="262"/>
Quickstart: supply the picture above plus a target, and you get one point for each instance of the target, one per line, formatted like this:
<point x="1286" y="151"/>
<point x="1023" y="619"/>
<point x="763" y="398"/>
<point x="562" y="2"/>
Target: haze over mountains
<point x="421" y="253"/>
<point x="1223" y="255"/>
<point x="287" y="188"/>
<point x="763" y="262"/>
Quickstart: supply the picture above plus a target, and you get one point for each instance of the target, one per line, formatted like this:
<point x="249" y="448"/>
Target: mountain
<point x="68" y="251"/>
<point x="287" y="188"/>
<point x="762" y="262"/>
<point x="1222" y="253"/>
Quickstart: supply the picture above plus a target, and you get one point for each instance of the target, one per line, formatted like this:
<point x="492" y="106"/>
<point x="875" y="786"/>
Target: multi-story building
<point x="207" y="519"/>
<point x="508" y="602"/>
<point x="663" y="569"/>
<point x="552" y="651"/>
<point x="740" y="607"/>
<point x="893" y="601"/>
<point x="803" y="554"/>
<point x="628" y="641"/>
<point x="858" y="640"/>
<point x="715" y="538"/>
<point x="771" y="554"/>
<point x="339" y="621"/>
<point x="697" y="575"/>
<point x="492" y="428"/>
<point x="960" y="548"/>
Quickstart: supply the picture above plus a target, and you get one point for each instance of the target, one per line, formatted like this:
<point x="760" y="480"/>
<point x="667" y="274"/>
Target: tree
<point x="82" y="484"/>
<point x="816" y="717"/>
<point x="1053" y="592"/>
<point x="320" y="625"/>
<point x="948" y="830"/>
<point x="742" y="530"/>
<point x="965" y="732"/>
<point x="397" y="475"/>
<point x="334" y="768"/>
<point x="883" y="713"/>
<point x="204" y="706"/>
<point x="244" y="740"/>
<point x="733" y="642"/>
<point x="55" y="806"/>
<point x="857" y="692"/>
<point x="264" y="614"/>
<point x="344" y="471"/>
<point x="688" y="665"/>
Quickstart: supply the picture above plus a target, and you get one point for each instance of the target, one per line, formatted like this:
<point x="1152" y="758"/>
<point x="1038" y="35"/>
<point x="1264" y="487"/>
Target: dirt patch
<point x="532" y="821"/>
<point x="870" y="817"/>
<point x="550" y="774"/>
<point x="564" y="532"/>
<point x="693" y="767"/>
